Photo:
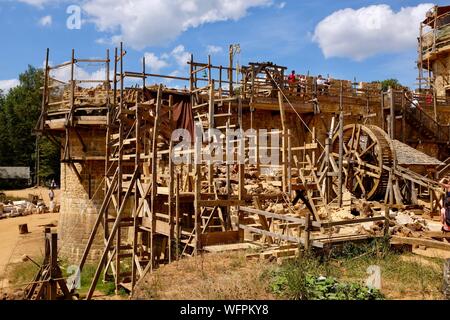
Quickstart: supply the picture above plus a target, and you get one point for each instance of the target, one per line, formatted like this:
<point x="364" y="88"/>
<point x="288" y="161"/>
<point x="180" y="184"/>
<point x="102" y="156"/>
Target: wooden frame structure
<point x="49" y="278"/>
<point x="156" y="210"/>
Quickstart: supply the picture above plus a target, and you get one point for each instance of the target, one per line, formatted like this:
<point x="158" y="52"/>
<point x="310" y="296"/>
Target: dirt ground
<point x="217" y="276"/>
<point x="14" y="246"/>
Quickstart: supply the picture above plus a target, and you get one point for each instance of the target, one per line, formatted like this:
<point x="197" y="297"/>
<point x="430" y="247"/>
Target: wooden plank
<point x="161" y="227"/>
<point x="437" y="234"/>
<point x="354" y="221"/>
<point x="279" y="236"/>
<point x="346" y="238"/>
<point x="216" y="238"/>
<point x="421" y="242"/>
<point x="279" y="216"/>
<point x="272" y="215"/>
<point x="262" y="220"/>
<point x="232" y="247"/>
<point x="221" y="203"/>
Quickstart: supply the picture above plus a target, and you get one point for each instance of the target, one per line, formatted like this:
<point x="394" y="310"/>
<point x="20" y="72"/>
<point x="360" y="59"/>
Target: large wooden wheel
<point x="367" y="152"/>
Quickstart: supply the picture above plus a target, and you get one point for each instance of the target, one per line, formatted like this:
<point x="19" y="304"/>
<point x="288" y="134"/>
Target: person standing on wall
<point x="292" y="81"/>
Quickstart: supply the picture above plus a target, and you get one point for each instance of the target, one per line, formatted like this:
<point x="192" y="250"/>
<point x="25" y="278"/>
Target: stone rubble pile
<point x="12" y="209"/>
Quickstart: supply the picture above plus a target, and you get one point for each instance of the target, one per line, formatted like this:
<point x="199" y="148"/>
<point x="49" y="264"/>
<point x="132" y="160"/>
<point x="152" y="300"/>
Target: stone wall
<point x="441" y="73"/>
<point x="80" y="201"/>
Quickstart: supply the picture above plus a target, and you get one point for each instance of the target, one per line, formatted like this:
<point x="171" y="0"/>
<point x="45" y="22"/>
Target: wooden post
<point x="211" y="105"/>
<point x="23" y="228"/>
<point x="154" y="186"/>
<point x="382" y="121"/>
<point x="220" y="82"/>
<point x="177" y="215"/>
<point x="171" y="180"/>
<point x="386" y="220"/>
<point x="198" y="210"/>
<point x="53" y="239"/>
<point x="211" y="126"/>
<point x="435" y="102"/>
<point x="38" y="182"/>
<point x="420" y="56"/>
<point x="430" y="191"/>
<point x="341" y="147"/>
<point x="230" y="72"/>
<point x="391" y="189"/>
<point x="241" y="155"/>
<point x="226" y="157"/>
<point x="72" y="87"/>
<point x="392" y="113"/>
<point x="289" y="165"/>
<point x="45" y="93"/>
<point x="327" y="164"/>
<point x="307" y="235"/>
<point x="403" y="119"/>
<point x="120" y="175"/>
<point x="284" y="141"/>
<point x="258" y="167"/>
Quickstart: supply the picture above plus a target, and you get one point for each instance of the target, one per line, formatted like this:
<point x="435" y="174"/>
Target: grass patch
<point x="20" y="274"/>
<point x="342" y="273"/>
<point x="221" y="276"/>
<point x="311" y="278"/>
<point x="87" y="275"/>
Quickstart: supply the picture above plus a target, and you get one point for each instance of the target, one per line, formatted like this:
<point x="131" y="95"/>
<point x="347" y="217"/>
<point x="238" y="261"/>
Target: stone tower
<point x="434" y="51"/>
<point x="74" y="117"/>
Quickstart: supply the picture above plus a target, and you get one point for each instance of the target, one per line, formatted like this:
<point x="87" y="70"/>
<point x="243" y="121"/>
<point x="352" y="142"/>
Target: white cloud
<point x="6" y="85"/>
<point x="211" y="49"/>
<point x="102" y="41"/>
<point x="178" y="56"/>
<point x="281" y="5"/>
<point x="46" y="21"/>
<point x="181" y="55"/>
<point x="154" y="63"/>
<point x="97" y="73"/>
<point x="37" y="3"/>
<point x="359" y="34"/>
<point x="142" y="23"/>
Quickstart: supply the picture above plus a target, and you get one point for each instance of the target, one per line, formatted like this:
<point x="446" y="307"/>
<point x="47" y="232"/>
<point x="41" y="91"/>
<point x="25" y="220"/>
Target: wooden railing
<point x="440" y="132"/>
<point x="438" y="37"/>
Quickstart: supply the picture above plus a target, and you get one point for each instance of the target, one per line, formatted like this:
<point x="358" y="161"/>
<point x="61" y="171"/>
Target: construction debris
<point x="20" y="208"/>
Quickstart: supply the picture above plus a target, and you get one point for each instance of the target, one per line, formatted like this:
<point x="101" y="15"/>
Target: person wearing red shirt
<point x="292" y="80"/>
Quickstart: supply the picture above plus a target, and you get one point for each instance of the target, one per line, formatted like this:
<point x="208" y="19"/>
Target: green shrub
<point x="320" y="288"/>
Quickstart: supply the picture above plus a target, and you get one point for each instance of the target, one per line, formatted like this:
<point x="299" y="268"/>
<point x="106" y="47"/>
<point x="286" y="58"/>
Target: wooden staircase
<point x="444" y="169"/>
<point x="430" y="129"/>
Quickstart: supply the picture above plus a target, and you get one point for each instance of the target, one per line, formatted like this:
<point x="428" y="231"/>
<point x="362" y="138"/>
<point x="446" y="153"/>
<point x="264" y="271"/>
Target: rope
<point x="290" y="104"/>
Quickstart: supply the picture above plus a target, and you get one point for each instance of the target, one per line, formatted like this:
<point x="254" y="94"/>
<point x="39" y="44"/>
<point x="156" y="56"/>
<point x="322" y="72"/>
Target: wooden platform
<point x="232" y="247"/>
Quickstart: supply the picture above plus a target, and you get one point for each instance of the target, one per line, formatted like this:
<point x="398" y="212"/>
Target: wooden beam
<point x="421" y="242"/>
<point x="279" y="236"/>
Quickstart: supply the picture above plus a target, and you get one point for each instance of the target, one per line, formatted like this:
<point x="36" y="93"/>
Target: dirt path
<point x="13" y="245"/>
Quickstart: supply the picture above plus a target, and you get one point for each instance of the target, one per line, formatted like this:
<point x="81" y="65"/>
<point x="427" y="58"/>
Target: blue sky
<point x="322" y="37"/>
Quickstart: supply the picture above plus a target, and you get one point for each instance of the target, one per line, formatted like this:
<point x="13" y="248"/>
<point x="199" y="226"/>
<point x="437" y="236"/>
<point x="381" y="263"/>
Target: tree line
<point x="20" y="109"/>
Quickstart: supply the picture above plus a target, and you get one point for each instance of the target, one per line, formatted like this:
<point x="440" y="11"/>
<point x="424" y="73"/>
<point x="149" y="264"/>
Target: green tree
<point x="49" y="164"/>
<point x="19" y="112"/>
<point x="393" y="83"/>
